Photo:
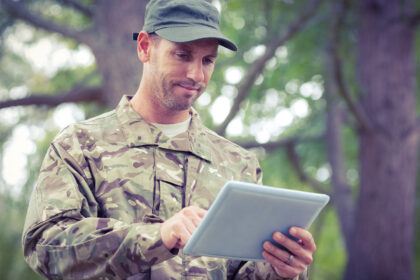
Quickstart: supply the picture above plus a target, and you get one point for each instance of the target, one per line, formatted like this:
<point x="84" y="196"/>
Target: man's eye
<point x="182" y="55"/>
<point x="209" y="60"/>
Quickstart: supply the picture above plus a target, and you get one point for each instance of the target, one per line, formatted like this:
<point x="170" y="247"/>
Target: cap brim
<point x="182" y="34"/>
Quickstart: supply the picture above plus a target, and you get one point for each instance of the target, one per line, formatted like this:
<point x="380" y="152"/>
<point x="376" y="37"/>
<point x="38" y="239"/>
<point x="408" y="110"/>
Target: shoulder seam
<point x="97" y="118"/>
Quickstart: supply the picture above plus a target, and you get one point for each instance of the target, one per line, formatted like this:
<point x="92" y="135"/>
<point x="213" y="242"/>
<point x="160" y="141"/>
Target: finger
<point x="276" y="251"/>
<point x="184" y="236"/>
<point x="182" y="232"/>
<point x="178" y="229"/>
<point x="177" y="232"/>
<point x="195" y="214"/>
<point x="283" y="256"/>
<point x="188" y="224"/>
<point x="295" y="248"/>
<point x="288" y="243"/>
<point x="195" y="211"/>
<point x="172" y="240"/>
<point x="195" y="218"/>
<point x="200" y="211"/>
<point x="305" y="238"/>
<point x="281" y="268"/>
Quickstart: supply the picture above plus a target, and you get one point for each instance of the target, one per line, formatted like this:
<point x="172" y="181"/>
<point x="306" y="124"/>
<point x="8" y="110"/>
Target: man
<point x="119" y="195"/>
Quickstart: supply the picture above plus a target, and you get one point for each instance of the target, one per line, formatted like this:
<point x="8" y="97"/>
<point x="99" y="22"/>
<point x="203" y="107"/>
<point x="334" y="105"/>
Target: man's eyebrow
<point x="183" y="47"/>
<point x="214" y="54"/>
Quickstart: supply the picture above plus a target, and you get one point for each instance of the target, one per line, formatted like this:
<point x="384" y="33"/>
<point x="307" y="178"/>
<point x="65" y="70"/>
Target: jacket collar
<point x="139" y="133"/>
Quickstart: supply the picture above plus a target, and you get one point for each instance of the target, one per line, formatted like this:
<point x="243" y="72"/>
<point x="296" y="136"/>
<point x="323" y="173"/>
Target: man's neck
<point x="154" y="113"/>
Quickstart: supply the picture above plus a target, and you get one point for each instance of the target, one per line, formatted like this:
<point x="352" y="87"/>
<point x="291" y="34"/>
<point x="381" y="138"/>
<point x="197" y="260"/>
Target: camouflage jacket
<point x="107" y="183"/>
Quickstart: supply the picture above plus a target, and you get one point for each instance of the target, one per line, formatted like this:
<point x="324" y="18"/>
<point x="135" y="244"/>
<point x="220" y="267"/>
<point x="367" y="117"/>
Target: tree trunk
<point x="114" y="48"/>
<point x="341" y="195"/>
<point x="382" y="245"/>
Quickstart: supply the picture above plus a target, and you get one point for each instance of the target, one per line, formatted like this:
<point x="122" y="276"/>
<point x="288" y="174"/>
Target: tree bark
<point x="342" y="196"/>
<point x="114" y="48"/>
<point x="334" y="87"/>
<point x="382" y="245"/>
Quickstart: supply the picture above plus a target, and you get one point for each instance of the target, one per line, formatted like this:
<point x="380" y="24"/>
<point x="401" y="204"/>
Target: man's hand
<point x="302" y="251"/>
<point x="176" y="231"/>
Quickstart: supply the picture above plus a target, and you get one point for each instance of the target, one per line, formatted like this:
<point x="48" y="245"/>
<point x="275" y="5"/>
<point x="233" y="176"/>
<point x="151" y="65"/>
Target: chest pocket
<point x="169" y="193"/>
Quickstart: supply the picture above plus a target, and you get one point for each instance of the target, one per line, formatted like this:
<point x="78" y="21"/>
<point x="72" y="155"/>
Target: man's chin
<point x="180" y="100"/>
<point x="185" y="103"/>
<point x="179" y="106"/>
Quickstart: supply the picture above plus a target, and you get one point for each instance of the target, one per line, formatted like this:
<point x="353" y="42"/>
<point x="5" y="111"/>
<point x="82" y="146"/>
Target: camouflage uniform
<point x="107" y="183"/>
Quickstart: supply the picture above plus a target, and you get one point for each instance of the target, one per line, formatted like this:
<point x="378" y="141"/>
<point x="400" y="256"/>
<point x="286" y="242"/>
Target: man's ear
<point x="144" y="45"/>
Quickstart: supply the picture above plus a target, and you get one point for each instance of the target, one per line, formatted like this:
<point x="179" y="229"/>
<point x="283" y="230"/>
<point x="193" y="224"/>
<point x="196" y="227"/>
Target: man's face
<point x="180" y="72"/>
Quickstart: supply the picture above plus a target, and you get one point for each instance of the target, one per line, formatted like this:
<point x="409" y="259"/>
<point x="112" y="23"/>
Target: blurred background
<point x="324" y="91"/>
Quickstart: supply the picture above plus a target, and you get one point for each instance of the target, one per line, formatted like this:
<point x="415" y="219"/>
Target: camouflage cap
<point x="184" y="21"/>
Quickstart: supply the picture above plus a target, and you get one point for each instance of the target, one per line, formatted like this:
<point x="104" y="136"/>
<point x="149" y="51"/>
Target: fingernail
<point x="292" y="231"/>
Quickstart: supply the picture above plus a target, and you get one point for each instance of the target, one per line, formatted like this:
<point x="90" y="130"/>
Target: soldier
<point x="119" y="195"/>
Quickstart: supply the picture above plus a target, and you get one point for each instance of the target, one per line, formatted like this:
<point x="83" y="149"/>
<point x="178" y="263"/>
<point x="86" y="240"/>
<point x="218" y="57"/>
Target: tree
<point x="383" y="241"/>
<point x="108" y="36"/>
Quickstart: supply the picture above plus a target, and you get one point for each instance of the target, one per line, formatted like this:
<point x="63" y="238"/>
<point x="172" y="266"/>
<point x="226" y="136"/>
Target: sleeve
<point x="63" y="236"/>
<point x="257" y="270"/>
<point x="260" y="271"/>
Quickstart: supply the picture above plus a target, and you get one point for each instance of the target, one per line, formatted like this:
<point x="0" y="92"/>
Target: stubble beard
<point x="164" y="87"/>
<point x="170" y="100"/>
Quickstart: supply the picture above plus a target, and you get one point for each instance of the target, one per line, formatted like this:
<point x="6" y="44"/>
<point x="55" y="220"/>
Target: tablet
<point x="244" y="215"/>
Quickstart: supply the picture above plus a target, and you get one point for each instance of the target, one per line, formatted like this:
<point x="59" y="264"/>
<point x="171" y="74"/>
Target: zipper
<point x="156" y="188"/>
<point x="183" y="197"/>
<point x="184" y="187"/>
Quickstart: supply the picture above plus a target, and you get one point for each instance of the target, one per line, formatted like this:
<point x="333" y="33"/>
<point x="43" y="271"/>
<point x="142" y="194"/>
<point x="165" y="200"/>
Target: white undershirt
<point x="170" y="130"/>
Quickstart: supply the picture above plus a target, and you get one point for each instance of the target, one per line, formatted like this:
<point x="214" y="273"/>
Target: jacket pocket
<point x="170" y="183"/>
<point x="152" y="219"/>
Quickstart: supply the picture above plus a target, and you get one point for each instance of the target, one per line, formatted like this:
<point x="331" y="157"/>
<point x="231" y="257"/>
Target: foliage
<point x="11" y="263"/>
<point x="330" y="259"/>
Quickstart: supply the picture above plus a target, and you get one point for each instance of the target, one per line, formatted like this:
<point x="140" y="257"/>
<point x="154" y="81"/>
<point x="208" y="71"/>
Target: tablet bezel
<point x="227" y="211"/>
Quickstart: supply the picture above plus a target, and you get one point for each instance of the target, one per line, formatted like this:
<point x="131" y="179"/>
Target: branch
<point x="19" y="11"/>
<point x="76" y="95"/>
<point x="337" y="65"/>
<point x="248" y="81"/>
<point x="271" y="146"/>
<point x="77" y="6"/>
<point x="290" y="144"/>
<point x="295" y="161"/>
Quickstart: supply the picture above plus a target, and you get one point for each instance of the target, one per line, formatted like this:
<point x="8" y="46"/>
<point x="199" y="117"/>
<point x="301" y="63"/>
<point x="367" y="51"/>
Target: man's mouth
<point x="191" y="89"/>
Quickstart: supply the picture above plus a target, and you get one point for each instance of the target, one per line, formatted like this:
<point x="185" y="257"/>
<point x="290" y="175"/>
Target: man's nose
<point x="196" y="71"/>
